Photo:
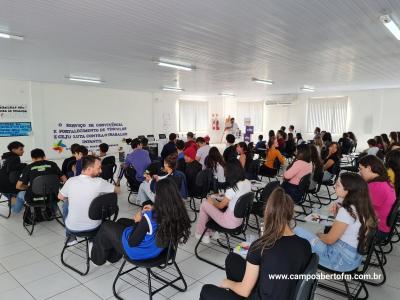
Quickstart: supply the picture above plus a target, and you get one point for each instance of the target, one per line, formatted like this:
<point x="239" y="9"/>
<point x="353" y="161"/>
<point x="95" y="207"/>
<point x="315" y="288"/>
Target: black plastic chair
<point x="133" y="184"/>
<point x="108" y="171"/>
<point x="359" y="286"/>
<point x="305" y="289"/>
<point x="328" y="184"/>
<point x="242" y="211"/>
<point x="101" y="208"/>
<point x="13" y="176"/>
<point x="274" y="174"/>
<point x="42" y="194"/>
<point x="165" y="259"/>
<point x="203" y="186"/>
<point x="304" y="187"/>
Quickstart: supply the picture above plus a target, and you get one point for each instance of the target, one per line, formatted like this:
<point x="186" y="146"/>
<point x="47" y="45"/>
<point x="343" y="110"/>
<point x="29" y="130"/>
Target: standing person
<point x="39" y="166"/>
<point x="202" y="151"/>
<point x="190" y="141"/>
<point x="11" y="162"/>
<point x="169" y="147"/>
<point x="278" y="251"/>
<point x="67" y="163"/>
<point x="80" y="192"/>
<point x="382" y="193"/>
<point x="354" y="219"/>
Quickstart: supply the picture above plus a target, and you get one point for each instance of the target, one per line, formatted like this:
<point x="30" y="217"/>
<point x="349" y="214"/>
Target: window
<point x="193" y="116"/>
<point x="329" y="114"/>
<point x="253" y="111"/>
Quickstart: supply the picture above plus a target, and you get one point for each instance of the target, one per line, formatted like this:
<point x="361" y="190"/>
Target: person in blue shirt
<point x="150" y="231"/>
<point x="81" y="152"/>
<point x="169" y="147"/>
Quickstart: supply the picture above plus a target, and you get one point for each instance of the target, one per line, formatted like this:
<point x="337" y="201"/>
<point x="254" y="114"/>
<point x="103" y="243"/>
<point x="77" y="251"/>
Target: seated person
<point x="139" y="159"/>
<point x="80" y="192"/>
<point x="346" y="144"/>
<point x="170" y="171"/>
<point x="11" y="163"/>
<point x="261" y="144"/>
<point x="216" y="163"/>
<point x="190" y="141"/>
<point x="169" y="147"/>
<point x="382" y="193"/>
<point x="392" y="164"/>
<point x="354" y="218"/>
<point x="106" y="159"/>
<point x="81" y="152"/>
<point x="300" y="167"/>
<point x="299" y="139"/>
<point x="246" y="160"/>
<point x="150" y="231"/>
<point x="280" y="137"/>
<point x="230" y="153"/>
<point x="272" y="154"/>
<point x="192" y="168"/>
<point x="145" y="195"/>
<point x="202" y="151"/>
<point x="290" y="147"/>
<point x="39" y="166"/>
<point x="331" y="162"/>
<point x="372" y="147"/>
<point x="277" y="251"/>
<point x="67" y="163"/>
<point x="222" y="212"/>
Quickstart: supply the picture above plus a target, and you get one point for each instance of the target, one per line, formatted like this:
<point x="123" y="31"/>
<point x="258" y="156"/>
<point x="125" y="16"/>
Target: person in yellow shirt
<point x="273" y="155"/>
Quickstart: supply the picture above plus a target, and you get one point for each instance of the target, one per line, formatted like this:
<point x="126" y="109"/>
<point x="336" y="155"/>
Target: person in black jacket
<point x="68" y="162"/>
<point x="230" y="153"/>
<point x="11" y="165"/>
<point x="192" y="168"/>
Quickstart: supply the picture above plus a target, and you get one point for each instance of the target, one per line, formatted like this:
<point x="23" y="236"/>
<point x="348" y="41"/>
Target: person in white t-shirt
<point x="80" y="192"/>
<point x="202" y="151"/>
<point x="339" y="249"/>
<point x="222" y="212"/>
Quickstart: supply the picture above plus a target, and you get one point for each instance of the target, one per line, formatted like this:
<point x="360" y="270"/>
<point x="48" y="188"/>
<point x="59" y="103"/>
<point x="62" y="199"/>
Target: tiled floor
<point x="30" y="268"/>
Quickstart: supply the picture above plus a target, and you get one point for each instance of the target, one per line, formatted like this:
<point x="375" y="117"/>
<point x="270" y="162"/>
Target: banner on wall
<point x="13" y="111"/>
<point x="90" y="134"/>
<point x="8" y="129"/>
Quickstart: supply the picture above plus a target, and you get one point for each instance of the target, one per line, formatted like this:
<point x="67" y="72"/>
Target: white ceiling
<point x="330" y="44"/>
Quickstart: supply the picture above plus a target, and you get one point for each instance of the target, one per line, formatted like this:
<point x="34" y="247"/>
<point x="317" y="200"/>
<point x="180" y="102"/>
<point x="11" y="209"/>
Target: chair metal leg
<point x="33" y="216"/>
<point x="149" y="284"/>
<point x="6" y="216"/>
<point x="201" y="258"/>
<point x="116" y="279"/>
<point x="87" y="258"/>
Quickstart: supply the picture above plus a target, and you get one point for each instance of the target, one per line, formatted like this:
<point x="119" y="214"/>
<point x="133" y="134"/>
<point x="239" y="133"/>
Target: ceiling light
<point x="269" y="82"/>
<point x="175" y="65"/>
<point x="227" y="94"/>
<point x="11" y="36"/>
<point x="391" y="26"/>
<point x="172" y="89"/>
<point x="85" y="79"/>
<point x="307" y="88"/>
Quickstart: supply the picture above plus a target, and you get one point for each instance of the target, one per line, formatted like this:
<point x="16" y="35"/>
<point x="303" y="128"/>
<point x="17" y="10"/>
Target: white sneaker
<point x="90" y="247"/>
<point x="215" y="235"/>
<point x="71" y="241"/>
<point x="204" y="240"/>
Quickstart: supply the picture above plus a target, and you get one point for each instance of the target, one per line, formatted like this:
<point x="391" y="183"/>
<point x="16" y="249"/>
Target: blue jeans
<point x="19" y="204"/>
<point x="339" y="256"/>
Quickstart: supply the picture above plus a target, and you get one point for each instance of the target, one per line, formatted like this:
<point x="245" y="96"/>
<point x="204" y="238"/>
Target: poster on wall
<point x="8" y="129"/>
<point x="88" y="134"/>
<point x="13" y="111"/>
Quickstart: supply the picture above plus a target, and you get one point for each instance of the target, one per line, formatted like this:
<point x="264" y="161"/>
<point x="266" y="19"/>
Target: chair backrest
<point x="203" y="182"/>
<point x="107" y="171"/>
<point x="243" y="205"/>
<point x="304" y="184"/>
<point x="370" y="241"/>
<point x="277" y="164"/>
<point x="103" y="207"/>
<point x="393" y="218"/>
<point x="45" y="185"/>
<point x="130" y="175"/>
<point x="305" y="289"/>
<point x="109" y="160"/>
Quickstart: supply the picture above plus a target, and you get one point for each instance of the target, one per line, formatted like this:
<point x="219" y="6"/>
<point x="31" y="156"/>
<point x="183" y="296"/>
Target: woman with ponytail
<point x="338" y="250"/>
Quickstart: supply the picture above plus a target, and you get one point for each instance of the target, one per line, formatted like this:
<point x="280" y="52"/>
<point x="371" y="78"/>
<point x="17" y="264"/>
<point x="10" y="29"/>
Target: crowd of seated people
<point x="365" y="201"/>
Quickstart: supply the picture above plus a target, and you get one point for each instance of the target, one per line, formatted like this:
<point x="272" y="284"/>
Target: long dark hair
<point x="290" y="137"/>
<point x="393" y="162"/>
<point x="377" y="167"/>
<point x="214" y="158"/>
<point x="278" y="214"/>
<point x="234" y="173"/>
<point x="318" y="165"/>
<point x="271" y="133"/>
<point x="302" y="153"/>
<point x="393" y="136"/>
<point x="358" y="196"/>
<point x="385" y="139"/>
<point x="352" y="136"/>
<point x="171" y="214"/>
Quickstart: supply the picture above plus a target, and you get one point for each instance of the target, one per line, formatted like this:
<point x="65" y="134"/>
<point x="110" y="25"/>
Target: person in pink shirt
<point x="300" y="167"/>
<point x="381" y="191"/>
